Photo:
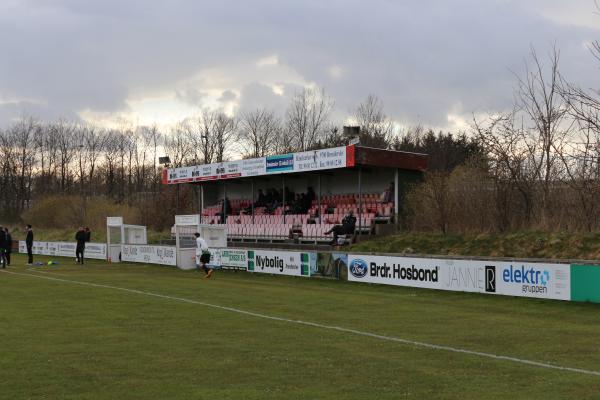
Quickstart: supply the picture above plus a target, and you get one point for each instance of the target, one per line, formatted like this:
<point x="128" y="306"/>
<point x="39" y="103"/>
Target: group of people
<point x="5" y="246"/>
<point x="6" y="243"/>
<point x="298" y="203"/>
<point x="82" y="236"/>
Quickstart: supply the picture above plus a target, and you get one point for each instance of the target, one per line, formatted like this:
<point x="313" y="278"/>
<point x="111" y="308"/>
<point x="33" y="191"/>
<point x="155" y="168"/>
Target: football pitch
<point x="133" y="331"/>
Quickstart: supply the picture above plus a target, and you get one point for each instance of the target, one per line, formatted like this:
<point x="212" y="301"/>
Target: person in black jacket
<point x="88" y="234"/>
<point x="8" y="249"/>
<point x="346" y="228"/>
<point x="80" y="237"/>
<point x="29" y="244"/>
<point x="2" y="247"/>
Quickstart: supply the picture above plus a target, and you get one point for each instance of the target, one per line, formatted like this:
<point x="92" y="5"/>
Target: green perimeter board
<point x="585" y="283"/>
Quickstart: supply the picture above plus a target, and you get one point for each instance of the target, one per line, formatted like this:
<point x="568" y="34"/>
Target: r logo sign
<point x="490" y="278"/>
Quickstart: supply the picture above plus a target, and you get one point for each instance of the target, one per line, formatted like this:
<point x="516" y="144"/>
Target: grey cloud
<point x="191" y="96"/>
<point x="227" y="96"/>
<point x="422" y="58"/>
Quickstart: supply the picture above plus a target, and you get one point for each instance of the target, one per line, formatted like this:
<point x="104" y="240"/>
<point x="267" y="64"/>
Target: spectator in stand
<point x="346" y="228"/>
<point x="261" y="201"/>
<point x="290" y="196"/>
<point x="269" y="197"/>
<point x="310" y="196"/>
<point x="271" y="201"/>
<point x="29" y="244"/>
<point x="388" y="194"/>
<point x="296" y="206"/>
<point x="225" y="206"/>
<point x="8" y="249"/>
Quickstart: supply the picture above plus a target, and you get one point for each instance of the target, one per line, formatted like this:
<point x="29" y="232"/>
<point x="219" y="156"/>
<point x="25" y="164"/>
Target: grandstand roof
<point x="315" y="160"/>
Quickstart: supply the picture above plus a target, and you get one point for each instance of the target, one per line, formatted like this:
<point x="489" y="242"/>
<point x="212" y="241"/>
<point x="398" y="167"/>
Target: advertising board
<point x="281" y="262"/>
<point x="313" y="160"/>
<point x="524" y="279"/>
<point x="65" y="249"/>
<point x="163" y="255"/>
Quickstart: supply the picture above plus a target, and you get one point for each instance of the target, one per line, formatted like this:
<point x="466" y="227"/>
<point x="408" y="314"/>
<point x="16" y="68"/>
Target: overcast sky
<point x="433" y="63"/>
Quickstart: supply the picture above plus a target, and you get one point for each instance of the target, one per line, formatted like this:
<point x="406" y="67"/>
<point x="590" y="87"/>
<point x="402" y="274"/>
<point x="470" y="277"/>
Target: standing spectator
<point x="310" y="196"/>
<point x="2" y="247"/>
<point x="388" y="194"/>
<point x="8" y="250"/>
<point x="88" y="234"/>
<point x="262" y="199"/>
<point x="29" y="244"/>
<point x="80" y="237"/>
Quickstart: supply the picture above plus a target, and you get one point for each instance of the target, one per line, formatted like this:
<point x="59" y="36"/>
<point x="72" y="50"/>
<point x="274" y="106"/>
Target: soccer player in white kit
<point x="202" y="255"/>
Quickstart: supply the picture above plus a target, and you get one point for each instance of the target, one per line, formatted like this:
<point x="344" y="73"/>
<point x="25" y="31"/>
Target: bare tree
<point x="95" y="144"/>
<point x="376" y="129"/>
<point x="258" y="132"/>
<point x="64" y="134"/>
<point x="22" y="137"/>
<point x="307" y="118"/>
<point x="223" y="132"/>
<point x="541" y="100"/>
<point x="178" y="146"/>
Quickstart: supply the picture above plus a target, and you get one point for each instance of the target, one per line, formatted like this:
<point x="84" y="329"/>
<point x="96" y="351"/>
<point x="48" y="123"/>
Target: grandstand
<point x="301" y="196"/>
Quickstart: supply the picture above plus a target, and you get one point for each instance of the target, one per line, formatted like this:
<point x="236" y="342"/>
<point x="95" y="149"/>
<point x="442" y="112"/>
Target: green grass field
<point x="65" y="340"/>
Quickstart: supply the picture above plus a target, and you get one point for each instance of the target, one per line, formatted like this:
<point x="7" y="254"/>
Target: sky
<point x="434" y="63"/>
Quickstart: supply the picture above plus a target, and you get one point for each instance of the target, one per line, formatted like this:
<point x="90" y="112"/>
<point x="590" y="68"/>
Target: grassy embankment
<point x="520" y="244"/>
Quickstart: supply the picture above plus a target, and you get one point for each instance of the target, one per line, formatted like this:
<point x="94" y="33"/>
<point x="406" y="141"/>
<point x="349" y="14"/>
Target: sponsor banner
<point x="186" y="220"/>
<point x="337" y="157"/>
<point x="332" y="264"/>
<point x="233" y="258"/>
<point x="541" y="280"/>
<point x="399" y="271"/>
<point x="95" y="250"/>
<point x="164" y="255"/>
<point x="254" y="166"/>
<point x="280" y="163"/>
<point x="65" y="249"/>
<point x="538" y="280"/>
<point x="320" y="159"/>
<point x="114" y="221"/>
<point x="281" y="262"/>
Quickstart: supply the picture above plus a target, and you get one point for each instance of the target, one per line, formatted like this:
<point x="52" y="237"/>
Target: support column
<point x="396" y="199"/>
<point x="319" y="202"/>
<point x="177" y="199"/>
<point x="360" y="201"/>
<point x="283" y="196"/>
<point x="224" y="208"/>
<point x="252" y="204"/>
<point x="201" y="201"/>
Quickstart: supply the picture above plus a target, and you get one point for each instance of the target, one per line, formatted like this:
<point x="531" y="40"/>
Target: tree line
<point x="535" y="166"/>
<point x="81" y="161"/>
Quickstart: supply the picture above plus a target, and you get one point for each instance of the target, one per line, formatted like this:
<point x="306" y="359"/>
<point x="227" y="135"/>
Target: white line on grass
<point x="45" y="272"/>
<point x="322" y="326"/>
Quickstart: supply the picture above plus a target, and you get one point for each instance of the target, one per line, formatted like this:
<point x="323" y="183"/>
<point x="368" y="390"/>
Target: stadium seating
<point x="276" y="226"/>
